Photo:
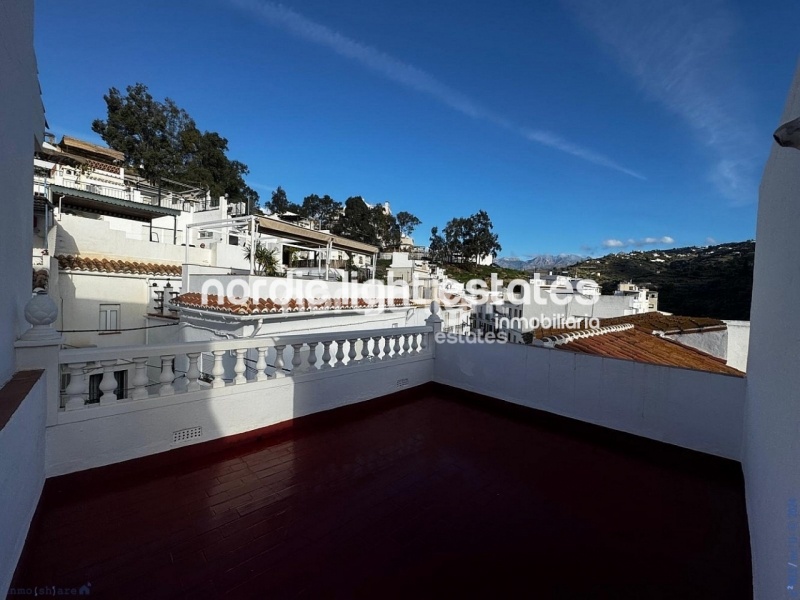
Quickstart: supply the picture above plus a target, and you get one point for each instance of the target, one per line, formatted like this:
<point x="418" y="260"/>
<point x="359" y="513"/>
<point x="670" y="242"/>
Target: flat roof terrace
<point x="431" y="492"/>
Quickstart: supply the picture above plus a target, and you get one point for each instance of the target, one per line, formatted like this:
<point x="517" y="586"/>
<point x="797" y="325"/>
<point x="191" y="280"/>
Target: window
<point x="109" y="317"/>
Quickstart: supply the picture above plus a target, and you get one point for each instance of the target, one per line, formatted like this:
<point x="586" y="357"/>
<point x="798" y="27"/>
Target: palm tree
<point x="266" y="260"/>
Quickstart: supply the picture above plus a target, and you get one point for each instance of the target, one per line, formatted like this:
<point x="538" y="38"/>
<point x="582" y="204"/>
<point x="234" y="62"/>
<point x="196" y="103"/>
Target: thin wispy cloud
<point x="613" y="243"/>
<point x="679" y="53"/>
<point x="412" y="77"/>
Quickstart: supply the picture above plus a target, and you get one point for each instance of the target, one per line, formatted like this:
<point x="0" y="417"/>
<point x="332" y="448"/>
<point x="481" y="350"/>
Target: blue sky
<point x="582" y="126"/>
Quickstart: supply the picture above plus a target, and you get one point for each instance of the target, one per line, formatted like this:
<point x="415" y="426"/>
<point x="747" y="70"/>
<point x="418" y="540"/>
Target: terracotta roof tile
<point x="104" y="265"/>
<point x="634" y="344"/>
<point x="263" y="306"/>
<point x="656" y="321"/>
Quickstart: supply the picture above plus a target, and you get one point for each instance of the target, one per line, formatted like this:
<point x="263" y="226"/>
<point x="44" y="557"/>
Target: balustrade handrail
<point x="87" y="355"/>
<point x="123" y="193"/>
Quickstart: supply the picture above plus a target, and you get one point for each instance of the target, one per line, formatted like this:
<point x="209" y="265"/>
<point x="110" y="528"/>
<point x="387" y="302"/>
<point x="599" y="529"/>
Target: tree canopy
<point x="407" y="222"/>
<point x="464" y="239"/>
<point x="279" y="202"/>
<point x="355" y="219"/>
<point x="162" y="141"/>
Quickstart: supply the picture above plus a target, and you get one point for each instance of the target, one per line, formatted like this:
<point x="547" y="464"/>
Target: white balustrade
<point x="261" y="364"/>
<point x="167" y="376"/>
<point x="140" y="379"/>
<point x="279" y="360"/>
<point x="108" y="384"/>
<point x="152" y="367"/>
<point x="193" y="374"/>
<point x="241" y="368"/>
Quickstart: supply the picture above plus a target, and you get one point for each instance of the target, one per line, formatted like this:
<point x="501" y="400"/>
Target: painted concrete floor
<point x="432" y="493"/>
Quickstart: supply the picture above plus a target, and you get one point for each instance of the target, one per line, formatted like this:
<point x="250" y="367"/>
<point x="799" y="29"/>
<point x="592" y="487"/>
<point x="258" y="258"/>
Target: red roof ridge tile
<point x="250" y="306"/>
<point x="69" y="262"/>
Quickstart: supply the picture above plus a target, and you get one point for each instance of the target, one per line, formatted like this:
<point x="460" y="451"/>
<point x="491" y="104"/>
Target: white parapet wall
<point x="22" y="474"/>
<point x="738" y="344"/>
<point x="167" y="404"/>
<point x="772" y="423"/>
<point x="692" y="409"/>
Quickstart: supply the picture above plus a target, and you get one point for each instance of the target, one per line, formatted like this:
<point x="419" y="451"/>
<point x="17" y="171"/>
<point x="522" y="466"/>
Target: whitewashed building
<point x="48" y="429"/>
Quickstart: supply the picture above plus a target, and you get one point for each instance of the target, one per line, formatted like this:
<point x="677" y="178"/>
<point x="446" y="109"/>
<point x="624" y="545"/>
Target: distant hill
<point x="713" y="281"/>
<point x="540" y="262"/>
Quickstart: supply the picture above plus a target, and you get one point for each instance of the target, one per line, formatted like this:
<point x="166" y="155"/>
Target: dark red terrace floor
<point x="434" y="493"/>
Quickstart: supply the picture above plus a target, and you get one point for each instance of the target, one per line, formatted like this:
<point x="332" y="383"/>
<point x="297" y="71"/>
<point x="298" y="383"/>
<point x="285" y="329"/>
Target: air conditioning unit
<point x="205" y="235"/>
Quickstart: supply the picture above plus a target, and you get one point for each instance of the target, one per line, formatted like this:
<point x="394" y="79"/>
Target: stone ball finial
<point x="435" y="307"/>
<point x="40" y="312"/>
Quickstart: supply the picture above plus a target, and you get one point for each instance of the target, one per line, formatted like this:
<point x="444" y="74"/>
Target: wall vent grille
<point x="186" y="434"/>
<point x="402" y="382"/>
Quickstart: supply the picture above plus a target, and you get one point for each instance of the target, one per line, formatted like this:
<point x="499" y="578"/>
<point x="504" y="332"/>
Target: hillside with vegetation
<point x="714" y="281"/>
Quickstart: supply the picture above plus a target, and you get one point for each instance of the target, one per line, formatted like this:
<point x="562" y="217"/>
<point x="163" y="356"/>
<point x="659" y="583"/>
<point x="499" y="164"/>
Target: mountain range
<point x="695" y="281"/>
<point x="541" y="262"/>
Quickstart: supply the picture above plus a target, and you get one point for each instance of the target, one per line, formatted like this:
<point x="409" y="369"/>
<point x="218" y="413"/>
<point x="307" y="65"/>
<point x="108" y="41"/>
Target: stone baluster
<point x="108" y="384"/>
<point x="312" y="356"/>
<point x="353" y="354"/>
<point x="387" y="347"/>
<point x="140" y="379"/>
<point x="296" y="358"/>
<point x="167" y="376"/>
<point x="279" y="361"/>
<point x="193" y="374"/>
<point x="376" y="348"/>
<point x="240" y="368"/>
<point x="415" y="343"/>
<point x="77" y="388"/>
<point x="340" y="351"/>
<point x="406" y="344"/>
<point x="218" y="370"/>
<point x="261" y="364"/>
<point x="396" y="346"/>
<point x="326" y="355"/>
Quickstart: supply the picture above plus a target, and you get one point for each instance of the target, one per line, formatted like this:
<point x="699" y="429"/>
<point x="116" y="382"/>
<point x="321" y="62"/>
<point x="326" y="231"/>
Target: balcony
<point x="429" y="492"/>
<point x="381" y="463"/>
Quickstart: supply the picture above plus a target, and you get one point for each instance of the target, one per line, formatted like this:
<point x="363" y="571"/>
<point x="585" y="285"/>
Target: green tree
<point x="437" y="251"/>
<point x="279" y="203"/>
<point x="467" y="238"/>
<point x="407" y="222"/>
<point x="162" y="141"/>
<point x="387" y="230"/>
<point x="325" y="211"/>
<point x="357" y="222"/>
<point x="266" y="260"/>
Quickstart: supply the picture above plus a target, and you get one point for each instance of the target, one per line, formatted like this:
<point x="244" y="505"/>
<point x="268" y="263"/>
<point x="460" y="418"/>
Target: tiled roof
<point x="72" y="143"/>
<point x="265" y="306"/>
<point x="656" y="321"/>
<point x="627" y="341"/>
<point x="104" y="265"/>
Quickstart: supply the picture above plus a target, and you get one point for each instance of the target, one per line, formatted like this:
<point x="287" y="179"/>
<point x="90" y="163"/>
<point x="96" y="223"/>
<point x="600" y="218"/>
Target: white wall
<point x="22" y="451"/>
<point x="21" y="126"/>
<point x="738" y="344"/>
<point x="714" y="343"/>
<point x="292" y="323"/>
<point x="693" y="409"/>
<point x="21" y="123"/>
<point x="772" y="417"/>
<point x="79" y="295"/>
<point x="94" y="237"/>
<point x="283" y="287"/>
<point x="105" y="435"/>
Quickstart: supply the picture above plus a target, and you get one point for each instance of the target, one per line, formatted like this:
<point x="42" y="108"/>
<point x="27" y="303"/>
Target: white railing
<point x="121" y="193"/>
<point x="128" y="373"/>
